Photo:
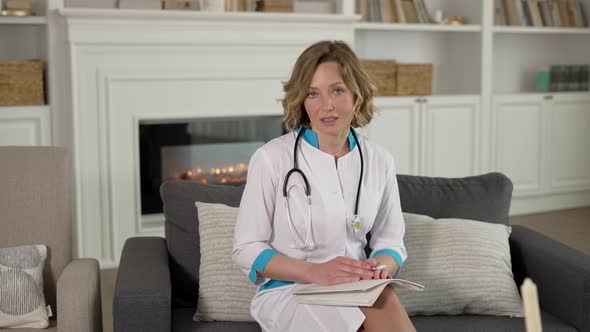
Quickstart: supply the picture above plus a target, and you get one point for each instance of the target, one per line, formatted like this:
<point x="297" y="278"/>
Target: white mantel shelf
<point x="181" y="16"/>
<point x="117" y="26"/>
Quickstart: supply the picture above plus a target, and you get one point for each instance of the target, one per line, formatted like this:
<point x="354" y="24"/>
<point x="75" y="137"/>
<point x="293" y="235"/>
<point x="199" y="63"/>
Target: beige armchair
<point x="36" y="208"/>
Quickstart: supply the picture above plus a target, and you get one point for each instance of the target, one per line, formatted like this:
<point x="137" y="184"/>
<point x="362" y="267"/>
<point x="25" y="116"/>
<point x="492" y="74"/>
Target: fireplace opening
<point x="213" y="151"/>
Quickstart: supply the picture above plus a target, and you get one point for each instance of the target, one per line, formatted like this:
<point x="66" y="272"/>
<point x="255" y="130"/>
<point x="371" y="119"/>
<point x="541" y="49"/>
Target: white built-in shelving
<point x="476" y="68"/>
<point x="484" y="82"/>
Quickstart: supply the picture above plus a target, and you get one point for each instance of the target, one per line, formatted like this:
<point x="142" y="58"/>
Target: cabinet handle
<point x="548" y="97"/>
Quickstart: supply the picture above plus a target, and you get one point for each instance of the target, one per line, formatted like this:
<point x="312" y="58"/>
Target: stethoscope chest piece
<point x="356" y="223"/>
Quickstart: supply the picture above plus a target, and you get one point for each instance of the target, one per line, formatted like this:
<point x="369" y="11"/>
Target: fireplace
<point x="204" y="150"/>
<point x="135" y="77"/>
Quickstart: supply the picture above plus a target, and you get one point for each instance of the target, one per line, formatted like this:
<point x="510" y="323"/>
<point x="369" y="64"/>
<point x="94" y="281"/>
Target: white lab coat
<point x="262" y="223"/>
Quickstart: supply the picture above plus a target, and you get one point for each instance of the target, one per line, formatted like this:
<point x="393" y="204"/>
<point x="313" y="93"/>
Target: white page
<point x="361" y="285"/>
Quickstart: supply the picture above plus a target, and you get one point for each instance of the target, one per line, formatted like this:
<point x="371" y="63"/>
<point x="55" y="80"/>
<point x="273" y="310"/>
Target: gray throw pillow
<point x="464" y="265"/>
<point x="22" y="302"/>
<point x="225" y="292"/>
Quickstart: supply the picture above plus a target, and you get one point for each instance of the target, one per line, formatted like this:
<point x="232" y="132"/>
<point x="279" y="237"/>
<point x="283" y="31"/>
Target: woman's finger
<point x="384" y="274"/>
<point x="371" y="261"/>
<point x="356" y="270"/>
<point x="353" y="262"/>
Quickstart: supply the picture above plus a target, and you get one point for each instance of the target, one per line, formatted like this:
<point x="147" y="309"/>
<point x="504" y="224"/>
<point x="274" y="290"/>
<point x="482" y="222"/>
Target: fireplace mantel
<point x="128" y="67"/>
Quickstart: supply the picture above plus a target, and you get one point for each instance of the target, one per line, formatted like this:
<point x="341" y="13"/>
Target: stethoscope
<point x="298" y="242"/>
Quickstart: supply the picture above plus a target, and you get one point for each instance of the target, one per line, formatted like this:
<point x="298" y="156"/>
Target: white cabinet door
<point x="396" y="129"/>
<point x="24" y="126"/>
<point x="450" y="128"/>
<point x="569" y="134"/>
<point x="518" y="140"/>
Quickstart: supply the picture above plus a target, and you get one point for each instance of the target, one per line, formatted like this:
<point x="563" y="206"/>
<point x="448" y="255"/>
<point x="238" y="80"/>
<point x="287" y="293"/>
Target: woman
<point x="285" y="239"/>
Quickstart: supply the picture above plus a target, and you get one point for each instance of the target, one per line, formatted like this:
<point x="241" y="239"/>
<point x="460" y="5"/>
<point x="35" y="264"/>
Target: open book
<point x="361" y="293"/>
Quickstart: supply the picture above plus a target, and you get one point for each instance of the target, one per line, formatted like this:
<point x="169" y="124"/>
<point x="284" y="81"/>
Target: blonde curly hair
<point x="355" y="78"/>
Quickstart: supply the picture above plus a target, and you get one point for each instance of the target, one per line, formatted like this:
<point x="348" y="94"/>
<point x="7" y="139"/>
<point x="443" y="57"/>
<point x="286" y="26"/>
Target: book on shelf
<point x="400" y="11"/>
<point x="553" y="8"/>
<point x="523" y="13"/>
<point x="362" y="293"/>
<point x="393" y="11"/>
<point x="410" y="11"/>
<point x="527" y="13"/>
<point x="583" y="17"/>
<point x="499" y="13"/>
<point x="563" y="15"/>
<point x="387" y="12"/>
<point x="578" y="11"/>
<point x="513" y="18"/>
<point x="568" y="78"/>
<point x="545" y="13"/>
<point x="585" y="78"/>
<point x="275" y="6"/>
<point x="235" y="5"/>
<point x="425" y="16"/>
<point x="534" y="13"/>
<point x="571" y="13"/>
<point x="361" y="9"/>
<point x="140" y="4"/>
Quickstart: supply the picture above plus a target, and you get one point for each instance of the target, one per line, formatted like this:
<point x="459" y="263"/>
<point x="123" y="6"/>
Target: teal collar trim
<point x="311" y="137"/>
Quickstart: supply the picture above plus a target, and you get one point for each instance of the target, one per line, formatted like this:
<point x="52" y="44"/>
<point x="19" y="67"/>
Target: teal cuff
<point x="392" y="253"/>
<point x="260" y="263"/>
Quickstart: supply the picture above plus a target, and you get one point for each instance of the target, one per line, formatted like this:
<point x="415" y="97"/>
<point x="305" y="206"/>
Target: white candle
<point x="530" y="301"/>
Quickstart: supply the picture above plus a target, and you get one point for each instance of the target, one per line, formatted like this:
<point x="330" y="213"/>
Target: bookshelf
<point x="28" y="38"/>
<point x="484" y="92"/>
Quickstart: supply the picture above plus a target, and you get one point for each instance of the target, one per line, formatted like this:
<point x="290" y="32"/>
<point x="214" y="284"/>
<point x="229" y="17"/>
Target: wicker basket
<point x="383" y="74"/>
<point x="414" y="79"/>
<point x="21" y="83"/>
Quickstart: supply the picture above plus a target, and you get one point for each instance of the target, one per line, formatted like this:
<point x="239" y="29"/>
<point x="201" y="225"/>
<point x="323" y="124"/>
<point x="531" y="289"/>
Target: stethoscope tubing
<point x="307" y="190"/>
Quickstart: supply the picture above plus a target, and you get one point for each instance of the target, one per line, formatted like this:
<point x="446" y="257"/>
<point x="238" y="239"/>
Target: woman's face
<point x="329" y="102"/>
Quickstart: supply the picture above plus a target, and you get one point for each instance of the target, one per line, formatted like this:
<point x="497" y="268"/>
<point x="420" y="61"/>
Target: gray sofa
<point x="157" y="281"/>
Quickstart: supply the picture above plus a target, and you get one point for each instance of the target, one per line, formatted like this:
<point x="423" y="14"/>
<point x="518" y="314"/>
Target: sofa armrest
<point x="562" y="275"/>
<point x="142" y="299"/>
<point x="78" y="297"/>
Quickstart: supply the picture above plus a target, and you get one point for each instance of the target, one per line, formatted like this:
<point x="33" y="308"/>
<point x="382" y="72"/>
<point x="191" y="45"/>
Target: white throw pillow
<point x="22" y="302"/>
<point x="225" y="292"/>
<point x="464" y="265"/>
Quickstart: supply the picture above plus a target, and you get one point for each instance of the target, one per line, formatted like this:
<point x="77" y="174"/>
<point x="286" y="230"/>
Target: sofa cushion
<point x="484" y="197"/>
<point x="22" y="301"/>
<point x="182" y="322"/>
<point x="464" y="265"/>
<point x="182" y="233"/>
<point x="225" y="292"/>
<point x="476" y="323"/>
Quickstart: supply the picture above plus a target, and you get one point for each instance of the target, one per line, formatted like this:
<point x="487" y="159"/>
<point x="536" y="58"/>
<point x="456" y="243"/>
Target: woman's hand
<point x="377" y="274"/>
<point x="339" y="270"/>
